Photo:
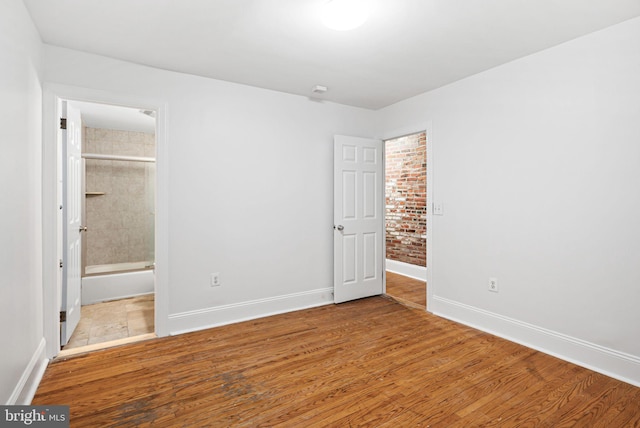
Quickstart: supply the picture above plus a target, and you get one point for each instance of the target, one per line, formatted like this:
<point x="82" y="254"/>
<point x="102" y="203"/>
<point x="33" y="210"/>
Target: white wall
<point x="537" y="163"/>
<point x="250" y="187"/>
<point x="20" y="218"/>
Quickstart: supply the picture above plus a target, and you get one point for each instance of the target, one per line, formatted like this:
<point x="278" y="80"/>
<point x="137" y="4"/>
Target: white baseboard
<point x="228" y="314"/>
<point x="609" y="362"/>
<point x="28" y="384"/>
<point x="406" y="269"/>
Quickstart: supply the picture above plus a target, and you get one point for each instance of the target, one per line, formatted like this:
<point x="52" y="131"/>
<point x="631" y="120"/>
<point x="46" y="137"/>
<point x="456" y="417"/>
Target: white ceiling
<point x="114" y="117"/>
<point x="405" y="48"/>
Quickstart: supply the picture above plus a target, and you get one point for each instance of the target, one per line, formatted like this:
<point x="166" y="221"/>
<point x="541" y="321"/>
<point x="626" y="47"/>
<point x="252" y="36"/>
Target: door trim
<point x="427" y="127"/>
<point x="51" y="235"/>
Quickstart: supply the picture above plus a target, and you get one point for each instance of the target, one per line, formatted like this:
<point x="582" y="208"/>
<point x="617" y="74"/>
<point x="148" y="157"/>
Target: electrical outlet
<point x="215" y="279"/>
<point x="493" y="285"/>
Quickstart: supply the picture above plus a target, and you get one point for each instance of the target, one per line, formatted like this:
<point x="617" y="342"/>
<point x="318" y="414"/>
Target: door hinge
<point x="63" y="316"/>
<point x="63" y="123"/>
<point x="61" y="264"/>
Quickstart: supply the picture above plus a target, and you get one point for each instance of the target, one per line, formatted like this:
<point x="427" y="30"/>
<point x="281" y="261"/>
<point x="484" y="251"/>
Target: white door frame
<point x="389" y="135"/>
<point x="51" y="234"/>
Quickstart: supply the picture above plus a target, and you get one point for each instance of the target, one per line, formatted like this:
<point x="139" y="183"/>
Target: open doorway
<point x="406" y="219"/>
<point x="117" y="198"/>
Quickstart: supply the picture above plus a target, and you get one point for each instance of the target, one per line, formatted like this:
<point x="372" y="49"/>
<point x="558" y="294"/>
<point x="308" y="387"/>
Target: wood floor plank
<point x="589" y="407"/>
<point x="372" y="362"/>
<point x="526" y="407"/>
<point x="617" y="416"/>
<point x="409" y="291"/>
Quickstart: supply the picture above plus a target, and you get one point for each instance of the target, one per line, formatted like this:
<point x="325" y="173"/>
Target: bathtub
<point x="119" y="281"/>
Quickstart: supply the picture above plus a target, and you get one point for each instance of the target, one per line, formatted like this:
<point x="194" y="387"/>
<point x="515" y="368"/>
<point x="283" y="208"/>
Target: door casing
<point x="51" y="218"/>
<point x="426" y="127"/>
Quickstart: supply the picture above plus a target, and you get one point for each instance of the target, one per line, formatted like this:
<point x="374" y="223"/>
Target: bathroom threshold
<point x="66" y="353"/>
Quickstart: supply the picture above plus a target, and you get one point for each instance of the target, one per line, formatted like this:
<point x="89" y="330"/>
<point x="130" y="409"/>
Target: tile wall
<point x="120" y="223"/>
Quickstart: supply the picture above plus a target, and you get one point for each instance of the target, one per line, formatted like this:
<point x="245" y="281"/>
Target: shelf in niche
<point x="94" y="193"/>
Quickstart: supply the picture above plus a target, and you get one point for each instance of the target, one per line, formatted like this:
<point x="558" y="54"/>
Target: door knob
<point x="339" y="227"/>
<point x="83" y="228"/>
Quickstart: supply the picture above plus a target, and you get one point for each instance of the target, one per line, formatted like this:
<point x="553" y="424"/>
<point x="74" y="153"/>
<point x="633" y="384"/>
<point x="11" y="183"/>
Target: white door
<point x="357" y="217"/>
<point x="72" y="222"/>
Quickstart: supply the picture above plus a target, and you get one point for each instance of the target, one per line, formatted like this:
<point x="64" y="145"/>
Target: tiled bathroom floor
<point x="118" y="319"/>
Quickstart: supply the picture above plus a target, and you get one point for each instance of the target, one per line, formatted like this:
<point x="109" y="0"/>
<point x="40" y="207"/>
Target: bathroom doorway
<point x="406" y="218"/>
<point x="118" y="188"/>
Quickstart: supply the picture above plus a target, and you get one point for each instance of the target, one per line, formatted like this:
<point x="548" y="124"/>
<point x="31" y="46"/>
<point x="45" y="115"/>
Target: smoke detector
<point x="150" y="113"/>
<point x="319" y="89"/>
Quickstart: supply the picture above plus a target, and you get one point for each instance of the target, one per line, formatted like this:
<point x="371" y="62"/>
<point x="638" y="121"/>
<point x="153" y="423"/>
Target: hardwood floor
<point x="408" y="291"/>
<point x="371" y="362"/>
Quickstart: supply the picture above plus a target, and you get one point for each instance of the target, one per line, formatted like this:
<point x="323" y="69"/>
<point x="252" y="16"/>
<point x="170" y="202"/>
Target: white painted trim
<point x="201" y="319"/>
<point x="618" y="365"/>
<point x="406" y="269"/>
<point x="383" y="200"/>
<point x="162" y="221"/>
<point x="50" y="233"/>
<point x="427" y="127"/>
<point x="26" y="388"/>
<point x="431" y="287"/>
<point x="52" y="92"/>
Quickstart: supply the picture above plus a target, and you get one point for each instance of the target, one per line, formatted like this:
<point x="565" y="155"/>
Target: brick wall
<point x="406" y="199"/>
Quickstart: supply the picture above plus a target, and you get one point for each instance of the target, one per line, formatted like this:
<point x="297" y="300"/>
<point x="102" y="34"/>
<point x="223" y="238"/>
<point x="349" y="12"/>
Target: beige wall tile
<point x="118" y="221"/>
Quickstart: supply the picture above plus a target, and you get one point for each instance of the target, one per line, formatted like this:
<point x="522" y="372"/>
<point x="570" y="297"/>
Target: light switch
<point x="438" y="208"/>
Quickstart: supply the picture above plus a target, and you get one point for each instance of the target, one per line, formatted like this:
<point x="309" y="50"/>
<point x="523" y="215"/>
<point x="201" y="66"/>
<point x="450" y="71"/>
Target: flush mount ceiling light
<point x="343" y="15"/>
